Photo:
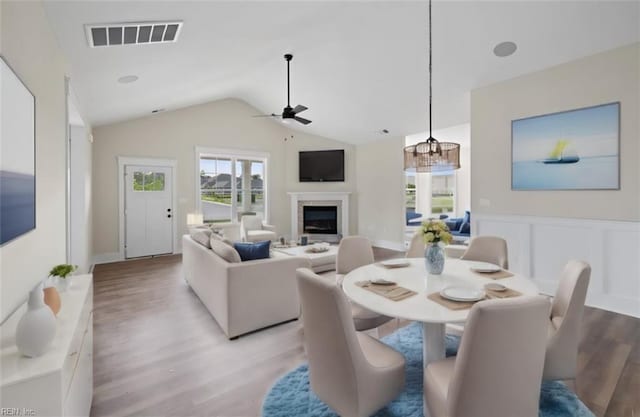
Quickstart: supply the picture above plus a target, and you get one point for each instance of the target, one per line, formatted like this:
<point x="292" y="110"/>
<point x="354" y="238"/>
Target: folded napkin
<point x="503" y="273"/>
<point x="392" y="292"/>
<point x="508" y="293"/>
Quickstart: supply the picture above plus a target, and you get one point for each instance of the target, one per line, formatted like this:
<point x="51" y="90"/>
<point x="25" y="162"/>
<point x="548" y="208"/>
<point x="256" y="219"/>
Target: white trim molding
<point x="340" y="196"/>
<point x="122" y="162"/>
<point x="539" y="247"/>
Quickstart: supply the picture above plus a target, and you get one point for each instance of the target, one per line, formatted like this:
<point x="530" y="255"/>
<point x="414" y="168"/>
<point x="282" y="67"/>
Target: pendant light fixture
<point x="431" y="155"/>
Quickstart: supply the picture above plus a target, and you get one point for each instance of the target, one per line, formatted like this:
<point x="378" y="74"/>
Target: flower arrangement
<point x="434" y="231"/>
<point x="63" y="270"/>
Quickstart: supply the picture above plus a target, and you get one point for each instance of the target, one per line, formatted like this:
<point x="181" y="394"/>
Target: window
<point x="442" y="192"/>
<point x="231" y="186"/>
<point x="148" y="181"/>
<point x="429" y="195"/>
<point x="410" y="192"/>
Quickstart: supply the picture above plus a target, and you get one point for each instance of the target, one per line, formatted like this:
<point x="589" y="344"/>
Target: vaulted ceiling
<point x="360" y="67"/>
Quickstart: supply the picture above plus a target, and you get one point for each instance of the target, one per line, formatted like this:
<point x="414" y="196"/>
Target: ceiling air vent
<point x="143" y="33"/>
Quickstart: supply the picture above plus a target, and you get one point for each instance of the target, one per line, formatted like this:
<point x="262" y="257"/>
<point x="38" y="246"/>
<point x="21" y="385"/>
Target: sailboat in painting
<point x="561" y="154"/>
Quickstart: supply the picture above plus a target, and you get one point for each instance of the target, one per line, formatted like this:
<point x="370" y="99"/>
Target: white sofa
<point x="243" y="296"/>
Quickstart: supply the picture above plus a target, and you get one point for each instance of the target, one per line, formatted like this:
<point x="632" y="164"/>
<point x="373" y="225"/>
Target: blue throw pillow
<point x="253" y="251"/>
<point x="465" y="228"/>
<point x="467" y="217"/>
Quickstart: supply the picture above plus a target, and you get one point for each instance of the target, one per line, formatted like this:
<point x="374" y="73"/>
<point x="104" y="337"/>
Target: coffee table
<point x="320" y="262"/>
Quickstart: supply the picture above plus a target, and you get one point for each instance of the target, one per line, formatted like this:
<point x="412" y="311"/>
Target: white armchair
<point x="253" y="229"/>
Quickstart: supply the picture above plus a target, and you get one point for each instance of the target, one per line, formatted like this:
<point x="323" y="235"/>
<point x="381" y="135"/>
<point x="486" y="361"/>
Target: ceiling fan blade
<point x="301" y="120"/>
<point x="266" y="115"/>
<point x="299" y="108"/>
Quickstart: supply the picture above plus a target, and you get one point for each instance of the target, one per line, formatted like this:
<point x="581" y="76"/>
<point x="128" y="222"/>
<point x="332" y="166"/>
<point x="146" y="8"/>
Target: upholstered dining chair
<point x="354" y="252"/>
<point x="498" y="369"/>
<point x="416" y="246"/>
<point x="350" y="371"/>
<point x="565" y="321"/>
<point x="490" y="249"/>
<point x="253" y="229"/>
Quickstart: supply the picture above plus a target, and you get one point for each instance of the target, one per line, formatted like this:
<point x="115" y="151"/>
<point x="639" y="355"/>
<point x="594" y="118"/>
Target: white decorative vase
<point x="63" y="284"/>
<point x="37" y="328"/>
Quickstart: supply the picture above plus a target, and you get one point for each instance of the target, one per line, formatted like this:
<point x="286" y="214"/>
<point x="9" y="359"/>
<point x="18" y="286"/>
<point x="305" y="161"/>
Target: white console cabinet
<point x="60" y="382"/>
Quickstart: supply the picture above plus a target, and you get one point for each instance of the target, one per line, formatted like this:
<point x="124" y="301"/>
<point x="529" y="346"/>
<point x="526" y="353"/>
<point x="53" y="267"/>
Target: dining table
<point x="418" y="307"/>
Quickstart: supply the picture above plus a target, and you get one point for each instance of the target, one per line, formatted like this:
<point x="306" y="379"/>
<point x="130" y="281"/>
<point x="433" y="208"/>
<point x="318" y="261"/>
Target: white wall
<point x="603" y="78"/>
<point x="29" y="46"/>
<point x="80" y="191"/>
<point x="175" y="135"/>
<point x="547" y="228"/>
<point x="380" y="192"/>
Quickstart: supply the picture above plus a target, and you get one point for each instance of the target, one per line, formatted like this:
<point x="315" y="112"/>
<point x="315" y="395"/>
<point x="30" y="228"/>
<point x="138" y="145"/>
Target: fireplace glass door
<point x="320" y="220"/>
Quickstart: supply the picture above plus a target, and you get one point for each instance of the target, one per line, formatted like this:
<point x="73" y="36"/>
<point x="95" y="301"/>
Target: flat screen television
<point x="321" y="166"/>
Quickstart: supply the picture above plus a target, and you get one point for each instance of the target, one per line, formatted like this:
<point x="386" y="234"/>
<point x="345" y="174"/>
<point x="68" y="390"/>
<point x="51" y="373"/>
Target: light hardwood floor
<point x="158" y="352"/>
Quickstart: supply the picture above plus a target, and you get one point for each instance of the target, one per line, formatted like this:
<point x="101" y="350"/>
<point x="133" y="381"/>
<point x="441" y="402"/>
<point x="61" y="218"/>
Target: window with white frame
<point x="231" y="185"/>
<point x="429" y="195"/>
<point x="443" y="187"/>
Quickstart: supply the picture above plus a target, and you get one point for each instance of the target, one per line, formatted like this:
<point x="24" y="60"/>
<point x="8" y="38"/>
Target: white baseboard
<point x="388" y="244"/>
<point x="106" y="258"/>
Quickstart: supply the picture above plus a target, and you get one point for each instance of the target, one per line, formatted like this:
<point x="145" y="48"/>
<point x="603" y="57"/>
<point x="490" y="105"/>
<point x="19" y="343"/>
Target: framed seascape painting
<point x="571" y="150"/>
<point x="17" y="157"/>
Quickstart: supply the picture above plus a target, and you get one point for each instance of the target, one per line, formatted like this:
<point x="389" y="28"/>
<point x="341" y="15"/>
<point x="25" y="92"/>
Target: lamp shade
<point x="432" y="156"/>
<point x="194" y="219"/>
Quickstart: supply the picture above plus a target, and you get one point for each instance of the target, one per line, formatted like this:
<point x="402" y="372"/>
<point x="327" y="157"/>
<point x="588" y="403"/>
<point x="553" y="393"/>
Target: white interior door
<point x="148" y="211"/>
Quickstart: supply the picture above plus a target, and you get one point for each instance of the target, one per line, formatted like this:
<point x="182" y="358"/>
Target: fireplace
<point x="313" y="207"/>
<point x="320" y="220"/>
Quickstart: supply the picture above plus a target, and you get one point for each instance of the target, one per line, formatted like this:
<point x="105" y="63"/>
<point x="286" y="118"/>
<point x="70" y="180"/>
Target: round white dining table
<point x="432" y="315"/>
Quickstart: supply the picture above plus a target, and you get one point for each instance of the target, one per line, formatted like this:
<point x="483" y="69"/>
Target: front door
<point x="148" y="210"/>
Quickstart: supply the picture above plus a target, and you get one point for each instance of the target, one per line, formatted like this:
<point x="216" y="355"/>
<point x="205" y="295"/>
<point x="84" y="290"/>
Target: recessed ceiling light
<point x="504" y="49"/>
<point x="127" y="79"/>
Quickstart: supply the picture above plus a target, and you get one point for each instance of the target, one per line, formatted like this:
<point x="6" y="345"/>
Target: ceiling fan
<point x="289" y="113"/>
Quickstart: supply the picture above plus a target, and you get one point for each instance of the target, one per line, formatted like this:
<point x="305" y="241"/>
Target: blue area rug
<point x="291" y="395"/>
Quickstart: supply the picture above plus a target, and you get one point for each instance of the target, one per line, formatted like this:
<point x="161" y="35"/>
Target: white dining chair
<point x="354" y="252"/>
<point x="351" y="372"/>
<point x="565" y="322"/>
<point x="498" y="369"/>
<point x="416" y="246"/>
<point x="490" y="249"/>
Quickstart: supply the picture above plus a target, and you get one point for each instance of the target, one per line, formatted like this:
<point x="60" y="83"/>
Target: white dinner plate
<point x="484" y="267"/>
<point x="494" y="286"/>
<point x="395" y="263"/>
<point x="462" y="294"/>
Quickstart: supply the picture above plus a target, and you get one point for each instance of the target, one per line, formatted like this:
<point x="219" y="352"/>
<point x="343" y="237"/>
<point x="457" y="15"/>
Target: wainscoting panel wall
<point x="539" y="247"/>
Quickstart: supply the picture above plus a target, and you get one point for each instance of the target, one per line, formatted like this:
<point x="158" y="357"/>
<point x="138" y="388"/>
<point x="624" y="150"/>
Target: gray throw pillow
<point x="219" y="238"/>
<point x="226" y="252"/>
<point x="202" y="236"/>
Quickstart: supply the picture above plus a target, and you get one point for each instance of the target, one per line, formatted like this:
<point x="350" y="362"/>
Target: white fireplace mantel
<point x="341" y="196"/>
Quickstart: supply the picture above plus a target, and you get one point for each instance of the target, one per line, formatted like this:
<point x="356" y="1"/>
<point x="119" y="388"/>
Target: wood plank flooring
<point x="158" y="351"/>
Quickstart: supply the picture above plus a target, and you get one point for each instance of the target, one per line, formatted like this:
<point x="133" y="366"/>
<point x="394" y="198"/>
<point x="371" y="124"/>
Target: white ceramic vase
<point x="63" y="284"/>
<point x="37" y="328"/>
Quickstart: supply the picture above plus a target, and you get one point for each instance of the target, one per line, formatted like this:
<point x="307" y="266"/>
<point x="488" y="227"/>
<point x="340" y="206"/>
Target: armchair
<point x="253" y="229"/>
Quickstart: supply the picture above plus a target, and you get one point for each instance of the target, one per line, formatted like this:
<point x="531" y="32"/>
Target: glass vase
<point x="434" y="258"/>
